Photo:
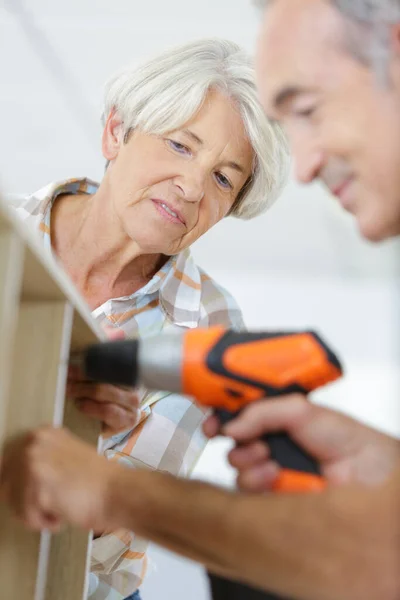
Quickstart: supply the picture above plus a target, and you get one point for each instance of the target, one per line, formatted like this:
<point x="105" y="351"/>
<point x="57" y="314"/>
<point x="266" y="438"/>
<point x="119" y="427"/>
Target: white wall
<point x="301" y="265"/>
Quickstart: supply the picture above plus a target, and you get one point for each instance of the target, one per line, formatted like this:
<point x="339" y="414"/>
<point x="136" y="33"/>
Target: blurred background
<point x="302" y="265"/>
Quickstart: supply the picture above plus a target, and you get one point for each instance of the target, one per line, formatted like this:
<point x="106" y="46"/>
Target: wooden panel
<point x="70" y="550"/>
<point x="36" y="396"/>
<point x="61" y="561"/>
<point x="68" y="567"/>
<point x="11" y="262"/>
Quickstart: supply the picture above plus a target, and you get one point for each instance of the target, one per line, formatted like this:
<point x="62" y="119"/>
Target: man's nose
<point x="308" y="160"/>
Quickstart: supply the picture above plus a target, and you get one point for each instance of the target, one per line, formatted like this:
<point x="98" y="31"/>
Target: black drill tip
<point x="113" y="362"/>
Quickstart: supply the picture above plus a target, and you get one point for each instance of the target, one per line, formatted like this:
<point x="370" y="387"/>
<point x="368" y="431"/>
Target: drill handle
<point x="300" y="472"/>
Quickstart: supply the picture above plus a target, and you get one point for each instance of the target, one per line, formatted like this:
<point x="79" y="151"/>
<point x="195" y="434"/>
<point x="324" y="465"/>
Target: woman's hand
<point x="117" y="407"/>
<point x="347" y="450"/>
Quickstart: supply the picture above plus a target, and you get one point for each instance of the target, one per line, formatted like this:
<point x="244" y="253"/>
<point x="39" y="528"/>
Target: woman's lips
<point x="168" y="212"/>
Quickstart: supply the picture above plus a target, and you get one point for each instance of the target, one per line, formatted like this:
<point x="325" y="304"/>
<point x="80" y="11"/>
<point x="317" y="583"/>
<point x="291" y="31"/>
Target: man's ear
<point x="113" y="136"/>
<point x="395" y="39"/>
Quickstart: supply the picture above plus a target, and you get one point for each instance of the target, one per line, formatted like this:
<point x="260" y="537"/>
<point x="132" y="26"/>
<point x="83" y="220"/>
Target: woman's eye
<point x="306" y="113"/>
<point x="181" y="148"/>
<point x="223" y="181"/>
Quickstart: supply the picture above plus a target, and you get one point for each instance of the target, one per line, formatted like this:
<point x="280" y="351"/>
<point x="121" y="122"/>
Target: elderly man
<point x="330" y="71"/>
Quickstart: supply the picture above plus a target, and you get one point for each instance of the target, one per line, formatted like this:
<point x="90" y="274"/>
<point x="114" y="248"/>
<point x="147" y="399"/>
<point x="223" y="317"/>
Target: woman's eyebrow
<point x="193" y="136"/>
<point x="234" y="165"/>
<point x="230" y="163"/>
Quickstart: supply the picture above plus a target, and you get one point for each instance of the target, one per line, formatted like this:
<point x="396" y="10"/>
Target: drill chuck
<point x="154" y="362"/>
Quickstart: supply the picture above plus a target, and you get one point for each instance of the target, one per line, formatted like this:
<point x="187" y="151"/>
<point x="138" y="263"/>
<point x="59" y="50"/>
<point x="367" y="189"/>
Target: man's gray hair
<point x="368" y="31"/>
<point x="365" y="11"/>
<point x="166" y="92"/>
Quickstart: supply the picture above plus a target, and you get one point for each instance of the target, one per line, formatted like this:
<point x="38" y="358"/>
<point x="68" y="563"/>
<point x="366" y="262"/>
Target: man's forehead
<point x="297" y="39"/>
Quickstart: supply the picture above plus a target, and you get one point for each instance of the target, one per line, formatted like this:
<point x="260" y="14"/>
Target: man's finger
<point x="267" y="416"/>
<point x="52" y="521"/>
<point x="258" y="479"/>
<point x="35" y="519"/>
<point x="211" y="426"/>
<point x="252" y="454"/>
<point x="325" y="434"/>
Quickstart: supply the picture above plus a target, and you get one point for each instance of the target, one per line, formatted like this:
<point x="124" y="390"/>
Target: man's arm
<point x="343" y="544"/>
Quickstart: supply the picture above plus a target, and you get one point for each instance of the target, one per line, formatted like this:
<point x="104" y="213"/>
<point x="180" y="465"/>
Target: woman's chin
<point x="147" y="243"/>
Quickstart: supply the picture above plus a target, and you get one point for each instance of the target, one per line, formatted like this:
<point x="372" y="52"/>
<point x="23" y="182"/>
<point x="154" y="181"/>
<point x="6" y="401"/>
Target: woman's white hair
<point x="166" y="92"/>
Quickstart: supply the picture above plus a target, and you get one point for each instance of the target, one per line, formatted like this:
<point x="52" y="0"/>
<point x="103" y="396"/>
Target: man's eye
<point x="181" y="148"/>
<point x="223" y="180"/>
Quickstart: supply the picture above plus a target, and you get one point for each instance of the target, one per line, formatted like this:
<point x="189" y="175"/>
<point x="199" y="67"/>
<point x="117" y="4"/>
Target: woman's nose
<point x="191" y="186"/>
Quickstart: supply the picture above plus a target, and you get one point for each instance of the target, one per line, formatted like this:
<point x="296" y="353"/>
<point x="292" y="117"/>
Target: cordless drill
<point x="226" y="370"/>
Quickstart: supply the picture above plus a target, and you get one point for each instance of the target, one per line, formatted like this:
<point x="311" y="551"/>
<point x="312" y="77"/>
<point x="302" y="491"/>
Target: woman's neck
<point x="95" y="251"/>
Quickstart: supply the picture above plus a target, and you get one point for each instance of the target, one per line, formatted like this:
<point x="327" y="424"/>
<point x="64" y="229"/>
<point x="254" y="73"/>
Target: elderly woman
<point x="186" y="144"/>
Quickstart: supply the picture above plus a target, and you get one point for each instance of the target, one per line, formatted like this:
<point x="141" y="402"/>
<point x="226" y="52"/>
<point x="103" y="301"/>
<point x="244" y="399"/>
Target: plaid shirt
<point x="168" y="436"/>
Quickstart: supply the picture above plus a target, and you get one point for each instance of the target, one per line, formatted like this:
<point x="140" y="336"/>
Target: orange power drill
<point x="226" y="370"/>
